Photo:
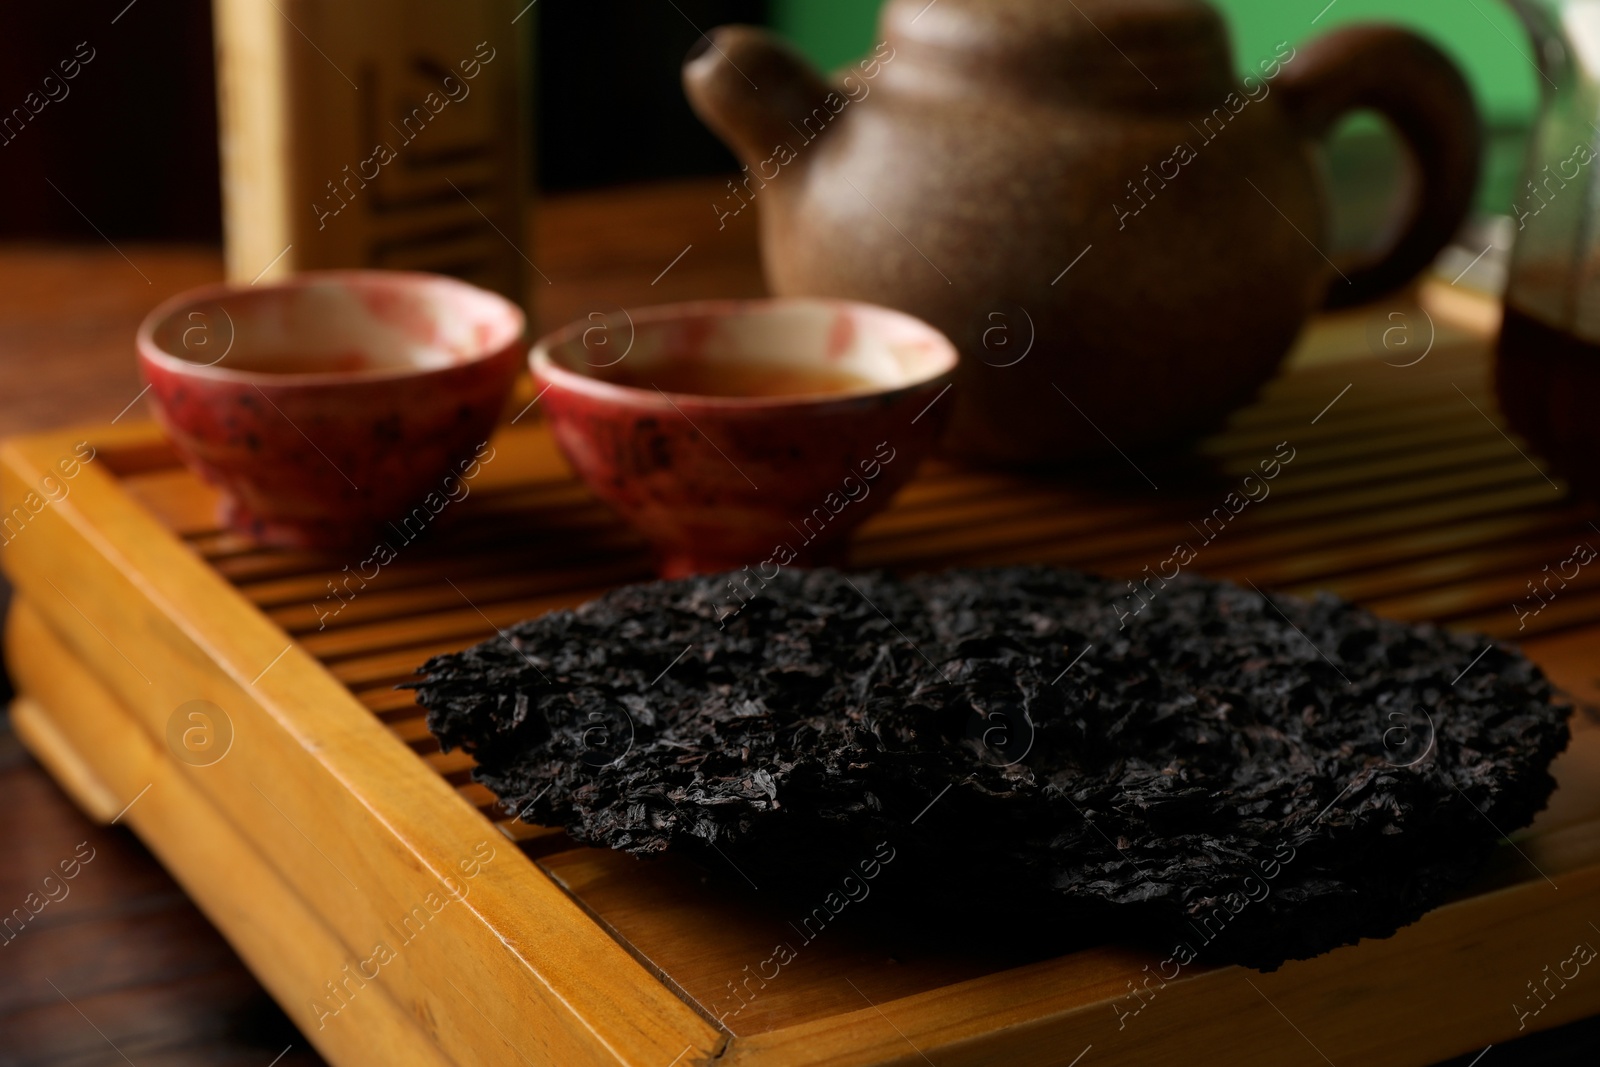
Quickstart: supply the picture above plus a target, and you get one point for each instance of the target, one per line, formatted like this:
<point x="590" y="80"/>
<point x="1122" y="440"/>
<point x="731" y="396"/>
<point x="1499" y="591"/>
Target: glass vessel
<point x="1548" y="371"/>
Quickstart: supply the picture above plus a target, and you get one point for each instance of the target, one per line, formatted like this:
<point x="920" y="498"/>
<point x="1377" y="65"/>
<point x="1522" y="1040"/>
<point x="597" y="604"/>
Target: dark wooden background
<point x="133" y="145"/>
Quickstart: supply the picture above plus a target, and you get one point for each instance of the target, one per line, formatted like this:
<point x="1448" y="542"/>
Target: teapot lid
<point x="1175" y="47"/>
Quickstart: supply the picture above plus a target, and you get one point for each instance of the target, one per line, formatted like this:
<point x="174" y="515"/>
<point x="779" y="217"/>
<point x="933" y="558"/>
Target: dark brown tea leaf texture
<point x="1232" y="779"/>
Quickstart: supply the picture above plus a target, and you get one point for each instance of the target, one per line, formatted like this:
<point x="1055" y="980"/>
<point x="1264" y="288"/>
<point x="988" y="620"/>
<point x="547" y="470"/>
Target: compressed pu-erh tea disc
<point x="1233" y="778"/>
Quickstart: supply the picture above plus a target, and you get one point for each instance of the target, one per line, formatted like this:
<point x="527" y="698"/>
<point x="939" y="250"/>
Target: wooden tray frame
<point x="320" y="827"/>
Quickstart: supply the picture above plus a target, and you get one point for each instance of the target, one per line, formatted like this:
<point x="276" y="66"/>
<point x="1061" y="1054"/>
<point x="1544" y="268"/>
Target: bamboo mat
<point x="1403" y="493"/>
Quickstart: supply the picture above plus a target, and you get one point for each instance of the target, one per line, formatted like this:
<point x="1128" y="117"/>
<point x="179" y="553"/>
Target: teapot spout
<point x="752" y="90"/>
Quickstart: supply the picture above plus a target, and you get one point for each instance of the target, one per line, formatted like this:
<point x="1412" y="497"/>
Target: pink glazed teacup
<point x="329" y="405"/>
<point x="739" y="434"/>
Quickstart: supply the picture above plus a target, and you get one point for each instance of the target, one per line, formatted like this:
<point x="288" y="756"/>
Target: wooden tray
<point x="331" y="817"/>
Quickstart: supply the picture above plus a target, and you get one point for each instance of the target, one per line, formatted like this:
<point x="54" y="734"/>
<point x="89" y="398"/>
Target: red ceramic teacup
<point x="739" y="434"/>
<point x="334" y="403"/>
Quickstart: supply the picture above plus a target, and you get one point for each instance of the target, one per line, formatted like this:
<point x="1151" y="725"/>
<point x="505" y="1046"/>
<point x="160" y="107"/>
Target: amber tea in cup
<point x="736" y="378"/>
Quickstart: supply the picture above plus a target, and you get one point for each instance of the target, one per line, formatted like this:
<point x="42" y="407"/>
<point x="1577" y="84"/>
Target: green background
<point x="1481" y="35"/>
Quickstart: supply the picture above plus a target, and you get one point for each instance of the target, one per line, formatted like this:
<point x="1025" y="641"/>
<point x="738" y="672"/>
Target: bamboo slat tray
<point x="327" y="826"/>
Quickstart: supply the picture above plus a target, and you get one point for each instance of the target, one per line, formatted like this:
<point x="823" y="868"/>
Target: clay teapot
<point x="1121" y="235"/>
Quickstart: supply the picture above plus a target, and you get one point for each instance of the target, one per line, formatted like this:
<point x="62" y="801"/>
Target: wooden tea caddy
<point x="331" y="825"/>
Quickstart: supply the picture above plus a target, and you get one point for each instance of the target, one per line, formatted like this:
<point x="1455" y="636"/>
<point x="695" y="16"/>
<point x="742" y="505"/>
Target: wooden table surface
<point x="124" y="970"/>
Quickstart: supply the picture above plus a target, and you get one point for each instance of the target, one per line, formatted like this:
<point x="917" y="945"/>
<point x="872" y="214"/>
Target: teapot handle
<point x="1418" y="89"/>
